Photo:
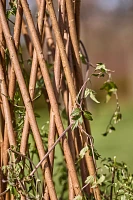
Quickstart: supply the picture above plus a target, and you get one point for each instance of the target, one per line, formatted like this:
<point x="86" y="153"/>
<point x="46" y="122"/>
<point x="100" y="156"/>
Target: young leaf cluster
<point x="119" y="182"/>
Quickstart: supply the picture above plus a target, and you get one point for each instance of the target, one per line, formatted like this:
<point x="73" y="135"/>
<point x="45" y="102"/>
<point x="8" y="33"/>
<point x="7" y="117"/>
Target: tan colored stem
<point x="51" y="95"/>
<point x="61" y="47"/>
<point x="32" y="81"/>
<point x="74" y="39"/>
<point x="27" y="38"/>
<point x="77" y="17"/>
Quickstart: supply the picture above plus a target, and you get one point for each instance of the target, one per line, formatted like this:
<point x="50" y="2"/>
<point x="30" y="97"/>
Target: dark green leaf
<point x="88" y="115"/>
<point x="105" y="134"/>
<point x="83" y="59"/>
<point x="75" y="112"/>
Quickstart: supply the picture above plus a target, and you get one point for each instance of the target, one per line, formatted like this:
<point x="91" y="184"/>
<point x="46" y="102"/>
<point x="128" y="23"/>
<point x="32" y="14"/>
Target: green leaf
<point x="108" y="97"/>
<point x="123" y="197"/>
<point x="109" y="86"/>
<point x="87" y="92"/>
<point x="101" y="67"/>
<point x="117" y="117"/>
<point x="90" y="180"/>
<point x="111" y="128"/>
<point x="75" y="112"/>
<point x="91" y="93"/>
<point x="76" y="117"/>
<point x="101" y="180"/>
<point x="78" y="198"/>
<point x="105" y="134"/>
<point x="77" y="122"/>
<point x="87" y="115"/>
<point x="92" y="96"/>
<point x="83" y="59"/>
<point x="83" y="152"/>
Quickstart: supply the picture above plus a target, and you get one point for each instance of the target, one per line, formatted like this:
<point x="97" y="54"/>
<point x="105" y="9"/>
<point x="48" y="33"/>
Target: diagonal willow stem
<point x="51" y="95"/>
<point x="51" y="149"/>
<point x="32" y="81"/>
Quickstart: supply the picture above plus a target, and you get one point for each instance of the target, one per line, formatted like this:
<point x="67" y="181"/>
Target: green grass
<point x="117" y="143"/>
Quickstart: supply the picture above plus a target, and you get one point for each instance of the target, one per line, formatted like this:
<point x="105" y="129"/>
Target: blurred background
<point x="107" y="33"/>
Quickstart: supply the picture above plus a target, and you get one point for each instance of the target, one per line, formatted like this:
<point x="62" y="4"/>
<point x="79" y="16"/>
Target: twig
<point x="3" y="193"/>
<point x="112" y="182"/>
<point x="51" y="149"/>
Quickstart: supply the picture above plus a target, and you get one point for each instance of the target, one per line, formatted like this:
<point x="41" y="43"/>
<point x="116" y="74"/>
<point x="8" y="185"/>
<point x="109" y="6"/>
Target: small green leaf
<point x="108" y="97"/>
<point x="78" y="198"/>
<point x="78" y="121"/>
<point x="101" y="180"/>
<point x="75" y="112"/>
<point x="83" y="152"/>
<point x="76" y="117"/>
<point x="111" y="128"/>
<point x="90" y="180"/>
<point x="87" y="92"/>
<point x="83" y="59"/>
<point x="117" y="117"/>
<point x="87" y="115"/>
<point x="105" y="134"/>
<point x="92" y="96"/>
<point x="91" y="93"/>
<point x="101" y="67"/>
<point x="109" y="86"/>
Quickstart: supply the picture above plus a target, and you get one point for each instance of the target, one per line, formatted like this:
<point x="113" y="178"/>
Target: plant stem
<point x="112" y="182"/>
<point x="51" y="149"/>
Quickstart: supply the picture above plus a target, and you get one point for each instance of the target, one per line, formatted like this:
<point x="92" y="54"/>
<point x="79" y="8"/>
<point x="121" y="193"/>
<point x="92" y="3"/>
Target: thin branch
<point x="3" y="193"/>
<point x="112" y="182"/>
<point x="51" y="149"/>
